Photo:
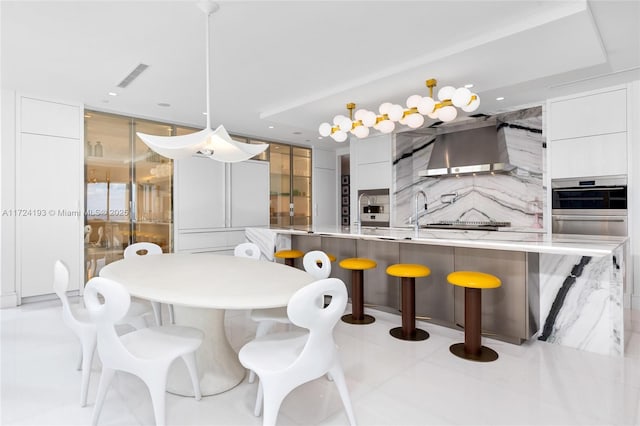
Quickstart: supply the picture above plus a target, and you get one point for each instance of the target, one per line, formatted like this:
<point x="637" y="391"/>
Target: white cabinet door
<point x="592" y="114"/>
<point x="374" y="149"/>
<point x="49" y="211"/>
<point x="602" y="155"/>
<point x="374" y="175"/>
<point x="49" y="118"/>
<point x="325" y="199"/>
<point x="249" y="194"/>
<point x="199" y="193"/>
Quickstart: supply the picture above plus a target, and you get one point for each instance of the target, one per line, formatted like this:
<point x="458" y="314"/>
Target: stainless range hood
<point x="463" y="150"/>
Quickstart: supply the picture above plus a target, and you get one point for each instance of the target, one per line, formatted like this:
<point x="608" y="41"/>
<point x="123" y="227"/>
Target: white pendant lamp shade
<point x="215" y="144"/>
<point x="324" y="129"/>
<point x="446" y="92"/>
<point x="447" y="113"/>
<point x="461" y="97"/>
<point x="426" y="105"/>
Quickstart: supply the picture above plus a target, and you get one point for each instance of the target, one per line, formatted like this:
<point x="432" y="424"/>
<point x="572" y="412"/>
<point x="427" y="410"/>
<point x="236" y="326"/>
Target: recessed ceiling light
<point x="105" y="101"/>
<point x="500" y="98"/>
<point x="271" y="127"/>
<point x="204" y="113"/>
<point x="113" y="94"/>
<point x="87" y="116"/>
<point x="164" y="104"/>
<point x="307" y="140"/>
<point x="319" y="137"/>
<point x="297" y="133"/>
<point x="468" y="86"/>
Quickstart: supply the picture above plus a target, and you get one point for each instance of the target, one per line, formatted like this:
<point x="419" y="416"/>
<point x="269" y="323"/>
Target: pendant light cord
<point x="208" y="71"/>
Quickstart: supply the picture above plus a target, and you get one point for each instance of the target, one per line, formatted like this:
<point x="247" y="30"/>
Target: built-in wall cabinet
<point x="128" y="188"/>
<point x="588" y="134"/>
<point x="47" y="213"/>
<point x="290" y="181"/>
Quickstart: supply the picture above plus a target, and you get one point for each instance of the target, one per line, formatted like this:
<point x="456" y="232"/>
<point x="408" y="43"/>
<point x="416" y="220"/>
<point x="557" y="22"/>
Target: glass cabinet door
<point x="152" y="178"/>
<point x="301" y="183"/>
<point x="108" y="189"/>
<point x="290" y="180"/>
<point x="280" y="184"/>
<point x="128" y="189"/>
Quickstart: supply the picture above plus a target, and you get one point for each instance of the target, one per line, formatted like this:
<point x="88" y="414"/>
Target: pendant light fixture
<point x="215" y="144"/>
<point x="444" y="109"/>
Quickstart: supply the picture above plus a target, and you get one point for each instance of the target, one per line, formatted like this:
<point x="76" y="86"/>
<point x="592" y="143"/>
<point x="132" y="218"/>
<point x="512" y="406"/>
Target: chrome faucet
<point x="359" y="222"/>
<point x="417" y="222"/>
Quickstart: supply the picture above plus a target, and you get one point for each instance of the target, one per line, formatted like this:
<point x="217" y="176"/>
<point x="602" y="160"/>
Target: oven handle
<point x="590" y="218"/>
<point x="595" y="188"/>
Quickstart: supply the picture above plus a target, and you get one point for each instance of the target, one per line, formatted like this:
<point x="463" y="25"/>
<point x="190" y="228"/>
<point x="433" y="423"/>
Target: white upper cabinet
<point x="589" y="115"/>
<point x="372" y="161"/>
<point x="50" y="118"/>
<point x="588" y="134"/>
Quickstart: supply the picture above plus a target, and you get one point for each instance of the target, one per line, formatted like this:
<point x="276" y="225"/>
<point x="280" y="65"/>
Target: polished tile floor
<point x="391" y="382"/>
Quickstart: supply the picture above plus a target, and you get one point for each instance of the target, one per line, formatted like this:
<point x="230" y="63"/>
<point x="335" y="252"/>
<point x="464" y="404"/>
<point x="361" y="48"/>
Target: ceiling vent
<point x="133" y="75"/>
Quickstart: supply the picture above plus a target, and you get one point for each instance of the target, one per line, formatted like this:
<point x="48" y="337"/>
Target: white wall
<point x="8" y="295"/>
<point x="633" y="189"/>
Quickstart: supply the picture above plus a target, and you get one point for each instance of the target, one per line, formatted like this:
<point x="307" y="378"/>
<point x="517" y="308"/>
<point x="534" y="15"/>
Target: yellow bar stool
<point x="357" y="265"/>
<point x="289" y="256"/>
<point x="408" y="272"/>
<point x="473" y="282"/>
<point x="331" y="257"/>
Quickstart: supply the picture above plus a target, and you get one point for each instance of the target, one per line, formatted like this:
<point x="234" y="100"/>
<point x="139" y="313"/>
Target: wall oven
<point x="589" y="206"/>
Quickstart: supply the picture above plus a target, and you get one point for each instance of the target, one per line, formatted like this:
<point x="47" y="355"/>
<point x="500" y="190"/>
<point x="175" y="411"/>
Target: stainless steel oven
<point x="589" y="206"/>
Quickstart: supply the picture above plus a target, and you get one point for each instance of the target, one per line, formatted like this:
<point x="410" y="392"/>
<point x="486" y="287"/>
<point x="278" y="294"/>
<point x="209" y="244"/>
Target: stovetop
<point x="472" y="225"/>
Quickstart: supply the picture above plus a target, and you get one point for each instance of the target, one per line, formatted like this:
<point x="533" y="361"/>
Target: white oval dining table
<point x="201" y="287"/>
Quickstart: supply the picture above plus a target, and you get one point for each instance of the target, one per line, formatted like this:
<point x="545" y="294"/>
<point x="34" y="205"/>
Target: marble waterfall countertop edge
<point x="565" y="244"/>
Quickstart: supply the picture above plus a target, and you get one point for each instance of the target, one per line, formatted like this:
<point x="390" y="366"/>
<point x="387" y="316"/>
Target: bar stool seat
<point x="473" y="282"/>
<point x="357" y="265"/>
<point x="408" y="272"/>
<point x="289" y="256"/>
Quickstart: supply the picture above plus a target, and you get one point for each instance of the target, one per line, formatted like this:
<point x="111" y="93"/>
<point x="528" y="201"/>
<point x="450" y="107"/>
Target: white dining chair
<point x="284" y="361"/>
<point x="144" y="249"/>
<point x="249" y="250"/>
<point x="147" y="353"/>
<point x="316" y="263"/>
<point x="77" y="319"/>
<point x="79" y="322"/>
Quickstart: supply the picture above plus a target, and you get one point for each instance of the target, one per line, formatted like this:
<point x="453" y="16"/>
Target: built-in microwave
<point x="590" y="206"/>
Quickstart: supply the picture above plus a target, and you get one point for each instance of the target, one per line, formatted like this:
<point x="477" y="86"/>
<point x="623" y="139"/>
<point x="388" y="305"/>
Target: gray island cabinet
<point x="563" y="289"/>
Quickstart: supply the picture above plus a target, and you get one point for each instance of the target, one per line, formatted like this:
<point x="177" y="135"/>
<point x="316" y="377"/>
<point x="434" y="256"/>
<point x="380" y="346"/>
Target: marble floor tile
<point x="391" y="382"/>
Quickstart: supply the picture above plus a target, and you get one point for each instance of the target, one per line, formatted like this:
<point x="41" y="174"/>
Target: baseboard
<point x="9" y="300"/>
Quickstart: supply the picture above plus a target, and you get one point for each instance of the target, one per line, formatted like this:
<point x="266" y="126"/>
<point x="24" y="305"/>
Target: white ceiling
<point x="293" y="65"/>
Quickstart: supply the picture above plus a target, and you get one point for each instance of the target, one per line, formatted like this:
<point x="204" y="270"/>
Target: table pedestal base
<point x="218" y="366"/>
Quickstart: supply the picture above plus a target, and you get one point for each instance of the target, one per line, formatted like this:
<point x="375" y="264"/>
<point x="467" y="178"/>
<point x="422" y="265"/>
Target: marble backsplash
<point x="517" y="197"/>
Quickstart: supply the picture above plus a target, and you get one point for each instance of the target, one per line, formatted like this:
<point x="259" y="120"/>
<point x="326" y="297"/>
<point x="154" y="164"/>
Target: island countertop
<point x="535" y="242"/>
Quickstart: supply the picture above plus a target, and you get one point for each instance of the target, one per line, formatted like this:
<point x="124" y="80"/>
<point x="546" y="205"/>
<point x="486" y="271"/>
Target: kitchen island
<point x="564" y="289"/>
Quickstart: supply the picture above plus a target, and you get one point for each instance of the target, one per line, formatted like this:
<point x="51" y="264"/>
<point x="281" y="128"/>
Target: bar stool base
<point x="415" y="337"/>
<point x="349" y="318"/>
<point x="485" y="355"/>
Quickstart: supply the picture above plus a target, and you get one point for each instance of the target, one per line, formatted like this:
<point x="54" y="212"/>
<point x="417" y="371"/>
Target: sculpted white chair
<point x="77" y="320"/>
<point x="250" y="250"/>
<point x="145" y="249"/>
<point x="316" y="263"/>
<point x="147" y="353"/>
<point x="284" y="361"/>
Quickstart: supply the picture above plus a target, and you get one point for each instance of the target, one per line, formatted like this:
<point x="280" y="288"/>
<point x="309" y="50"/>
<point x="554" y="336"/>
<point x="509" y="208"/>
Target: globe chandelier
<point x="214" y="144"/>
<point x="444" y="109"/>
